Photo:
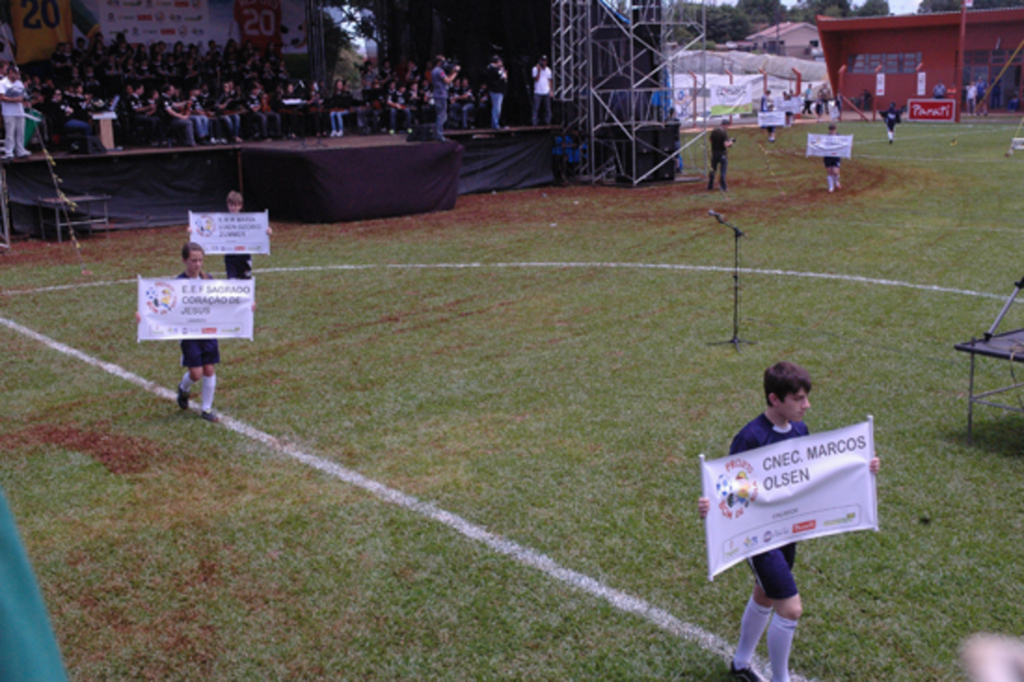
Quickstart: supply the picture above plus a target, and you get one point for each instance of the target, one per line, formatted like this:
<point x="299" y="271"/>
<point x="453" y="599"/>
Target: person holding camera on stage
<point x="441" y="79"/>
<point x="541" y="92"/>
<point x="496" y="79"/>
<point x="720" y="143"/>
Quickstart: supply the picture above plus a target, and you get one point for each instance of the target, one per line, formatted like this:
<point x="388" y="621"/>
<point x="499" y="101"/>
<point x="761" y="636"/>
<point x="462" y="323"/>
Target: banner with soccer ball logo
<point x="173" y="308"/>
<point x="798" y="489"/>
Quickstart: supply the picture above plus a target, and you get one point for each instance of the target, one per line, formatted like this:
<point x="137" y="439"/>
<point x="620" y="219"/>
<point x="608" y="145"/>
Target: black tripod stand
<point x="735" y="340"/>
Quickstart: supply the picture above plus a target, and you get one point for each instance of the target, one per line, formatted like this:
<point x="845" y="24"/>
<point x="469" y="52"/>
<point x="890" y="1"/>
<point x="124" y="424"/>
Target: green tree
<point x="725" y="23"/>
<point x="873" y="8"/>
<point x="762" y="11"/>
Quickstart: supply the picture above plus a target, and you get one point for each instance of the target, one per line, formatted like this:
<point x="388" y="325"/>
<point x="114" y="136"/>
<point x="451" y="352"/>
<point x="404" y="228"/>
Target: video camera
<point x="451" y="65"/>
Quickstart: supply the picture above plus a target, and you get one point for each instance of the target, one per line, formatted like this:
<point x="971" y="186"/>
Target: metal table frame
<point x="79" y="216"/>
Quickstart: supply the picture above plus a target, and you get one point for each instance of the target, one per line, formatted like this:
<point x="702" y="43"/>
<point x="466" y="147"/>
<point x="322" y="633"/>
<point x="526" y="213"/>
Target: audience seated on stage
<point x="230" y="92"/>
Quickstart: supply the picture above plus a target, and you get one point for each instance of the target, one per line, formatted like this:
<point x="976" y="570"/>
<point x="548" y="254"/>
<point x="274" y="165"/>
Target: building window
<point x="909" y="62"/>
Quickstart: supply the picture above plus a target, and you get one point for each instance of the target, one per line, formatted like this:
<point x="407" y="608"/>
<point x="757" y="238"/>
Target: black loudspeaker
<point x="655" y="144"/>
<point x="421" y="132"/>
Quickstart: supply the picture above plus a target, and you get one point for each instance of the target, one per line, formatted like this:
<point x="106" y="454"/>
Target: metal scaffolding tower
<point x="613" y="84"/>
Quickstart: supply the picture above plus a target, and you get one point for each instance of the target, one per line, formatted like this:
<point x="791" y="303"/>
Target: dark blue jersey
<point x="760" y="432"/>
<point x="892" y="117"/>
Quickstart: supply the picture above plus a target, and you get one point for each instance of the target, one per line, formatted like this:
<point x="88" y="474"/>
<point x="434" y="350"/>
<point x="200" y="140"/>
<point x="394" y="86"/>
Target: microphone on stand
<point x="721" y="218"/>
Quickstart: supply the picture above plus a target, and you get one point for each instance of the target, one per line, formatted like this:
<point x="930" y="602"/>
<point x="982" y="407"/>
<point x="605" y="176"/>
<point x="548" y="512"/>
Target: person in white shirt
<point x="12" y="98"/>
<point x="542" y="92"/>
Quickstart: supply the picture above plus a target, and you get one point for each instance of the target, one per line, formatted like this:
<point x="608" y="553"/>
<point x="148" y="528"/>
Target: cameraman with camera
<point x="441" y="78"/>
<point x="720" y="143"/>
<point x="542" y="91"/>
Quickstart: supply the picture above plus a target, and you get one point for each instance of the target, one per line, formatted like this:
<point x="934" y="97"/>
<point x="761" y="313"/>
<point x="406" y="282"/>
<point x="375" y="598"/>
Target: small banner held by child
<point x="727" y="100"/>
<point x="797" y="489"/>
<point x="195" y="309"/>
<point x="771" y="119"/>
<point x="222" y="233"/>
<point x="830" y="145"/>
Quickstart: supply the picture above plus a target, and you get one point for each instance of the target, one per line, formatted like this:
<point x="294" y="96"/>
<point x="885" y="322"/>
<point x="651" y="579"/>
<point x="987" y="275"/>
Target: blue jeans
<point x="541" y="102"/>
<point x="496" y="99"/>
<point x="441" y="108"/>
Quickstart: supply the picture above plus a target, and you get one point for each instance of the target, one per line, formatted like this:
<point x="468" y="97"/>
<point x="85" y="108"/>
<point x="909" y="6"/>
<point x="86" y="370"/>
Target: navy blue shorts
<point x="831" y="162"/>
<point x="238" y="265"/>
<point x="773" y="571"/>
<point x="199" y="352"/>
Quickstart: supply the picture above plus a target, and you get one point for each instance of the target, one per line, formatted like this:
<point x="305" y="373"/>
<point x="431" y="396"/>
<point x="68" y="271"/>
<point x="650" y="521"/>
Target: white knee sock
<point x="186" y="382"/>
<point x="890" y="136"/>
<point x="780" y="642"/>
<point x="755" y="619"/>
<point x="831" y="183"/>
<point x="209" y="386"/>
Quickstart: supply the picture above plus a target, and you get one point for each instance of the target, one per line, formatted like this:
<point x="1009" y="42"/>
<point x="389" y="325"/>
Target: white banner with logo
<point x="221" y="233"/>
<point x="830" y="145"/>
<point x="766" y="119"/>
<point x="727" y="100"/>
<point x="793" y="105"/>
<point x="921" y="83"/>
<point x="195" y="309"/>
<point x="797" y="489"/>
<point x="880" y="85"/>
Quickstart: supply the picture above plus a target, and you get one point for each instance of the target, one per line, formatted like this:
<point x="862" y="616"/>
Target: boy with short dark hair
<point x="786" y="386"/>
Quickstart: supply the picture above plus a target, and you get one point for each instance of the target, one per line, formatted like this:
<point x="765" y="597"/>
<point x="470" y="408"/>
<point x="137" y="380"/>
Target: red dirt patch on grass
<point x="119" y="454"/>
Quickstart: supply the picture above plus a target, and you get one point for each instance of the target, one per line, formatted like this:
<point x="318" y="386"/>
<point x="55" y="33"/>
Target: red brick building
<point x="905" y="46"/>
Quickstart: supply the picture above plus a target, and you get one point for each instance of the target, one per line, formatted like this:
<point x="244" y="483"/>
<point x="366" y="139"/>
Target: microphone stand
<point x="735" y="340"/>
<point x="1006" y="307"/>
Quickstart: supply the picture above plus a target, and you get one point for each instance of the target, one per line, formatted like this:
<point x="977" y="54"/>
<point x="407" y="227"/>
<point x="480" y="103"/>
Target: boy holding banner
<point x="832" y="165"/>
<point x="786" y="387"/>
<point x="238" y="265"/>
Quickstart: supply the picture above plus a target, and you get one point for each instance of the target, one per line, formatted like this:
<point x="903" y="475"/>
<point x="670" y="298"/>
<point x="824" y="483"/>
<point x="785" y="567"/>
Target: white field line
<point x="524" y="555"/>
<point x="626" y="266"/>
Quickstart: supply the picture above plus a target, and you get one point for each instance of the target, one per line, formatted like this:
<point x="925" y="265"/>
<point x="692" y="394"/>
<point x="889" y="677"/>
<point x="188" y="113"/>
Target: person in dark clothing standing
<point x="496" y="79"/>
<point x="720" y="143"/>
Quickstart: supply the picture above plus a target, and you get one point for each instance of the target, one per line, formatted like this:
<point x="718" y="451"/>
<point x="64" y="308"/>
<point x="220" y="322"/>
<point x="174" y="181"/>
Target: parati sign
<point x="941" y="110"/>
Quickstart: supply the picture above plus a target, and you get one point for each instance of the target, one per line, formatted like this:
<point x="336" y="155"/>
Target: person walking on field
<point x="786" y="387"/>
<point x="832" y="165"/>
<point x="891" y="118"/>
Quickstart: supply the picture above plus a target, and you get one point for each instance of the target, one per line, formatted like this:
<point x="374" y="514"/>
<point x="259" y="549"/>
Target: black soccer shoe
<point x="745" y="674"/>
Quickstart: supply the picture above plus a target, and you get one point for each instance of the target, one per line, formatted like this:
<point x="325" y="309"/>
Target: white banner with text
<point x="732" y="99"/>
<point x="225" y="233"/>
<point x="797" y="489"/>
<point x="195" y="309"/>
<point x="771" y="119"/>
<point x="830" y="145"/>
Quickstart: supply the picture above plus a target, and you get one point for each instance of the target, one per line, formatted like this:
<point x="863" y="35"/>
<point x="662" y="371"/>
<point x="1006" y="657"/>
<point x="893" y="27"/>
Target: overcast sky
<point x="895" y="6"/>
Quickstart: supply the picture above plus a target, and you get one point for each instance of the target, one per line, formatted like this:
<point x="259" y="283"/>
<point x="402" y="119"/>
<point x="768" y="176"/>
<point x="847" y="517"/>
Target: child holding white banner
<point x="199" y="356"/>
<point x="786" y="387"/>
<point x="832" y="165"/>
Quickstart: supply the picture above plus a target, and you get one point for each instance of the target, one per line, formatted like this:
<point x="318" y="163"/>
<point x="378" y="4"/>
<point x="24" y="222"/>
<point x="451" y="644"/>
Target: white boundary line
<point x="554" y="265"/>
<point x="521" y="554"/>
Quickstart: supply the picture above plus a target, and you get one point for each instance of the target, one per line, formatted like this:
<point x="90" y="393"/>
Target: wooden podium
<point x="105" y="124"/>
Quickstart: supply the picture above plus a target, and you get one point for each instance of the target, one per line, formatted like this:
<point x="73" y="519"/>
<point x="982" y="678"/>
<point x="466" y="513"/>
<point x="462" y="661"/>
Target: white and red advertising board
<point x="940" y="110"/>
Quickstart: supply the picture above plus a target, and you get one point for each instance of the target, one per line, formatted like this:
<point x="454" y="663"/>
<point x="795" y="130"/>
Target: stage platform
<point x="312" y="180"/>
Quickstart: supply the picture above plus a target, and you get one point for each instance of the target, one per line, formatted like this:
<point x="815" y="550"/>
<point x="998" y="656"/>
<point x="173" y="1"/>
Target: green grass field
<point x="554" y="401"/>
